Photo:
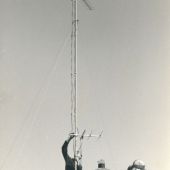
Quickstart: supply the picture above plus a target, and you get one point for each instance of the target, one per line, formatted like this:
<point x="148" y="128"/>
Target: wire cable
<point x="34" y="105"/>
<point x="41" y="101"/>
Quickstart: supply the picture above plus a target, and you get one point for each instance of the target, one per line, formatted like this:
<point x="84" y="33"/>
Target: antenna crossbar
<point x="86" y="135"/>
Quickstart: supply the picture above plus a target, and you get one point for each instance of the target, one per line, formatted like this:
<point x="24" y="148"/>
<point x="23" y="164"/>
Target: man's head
<point x="137" y="165"/>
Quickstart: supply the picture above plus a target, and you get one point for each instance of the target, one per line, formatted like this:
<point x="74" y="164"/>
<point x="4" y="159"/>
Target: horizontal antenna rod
<point x="87" y="3"/>
<point x="86" y="135"/>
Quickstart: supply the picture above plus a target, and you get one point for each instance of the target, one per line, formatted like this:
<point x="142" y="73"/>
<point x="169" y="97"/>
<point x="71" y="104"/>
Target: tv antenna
<point x="74" y="127"/>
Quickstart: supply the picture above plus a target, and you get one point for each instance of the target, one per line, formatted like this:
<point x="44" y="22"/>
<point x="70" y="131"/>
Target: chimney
<point x="101" y="165"/>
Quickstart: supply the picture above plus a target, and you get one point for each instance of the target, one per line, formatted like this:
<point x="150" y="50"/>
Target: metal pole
<point x="74" y="57"/>
<point x="75" y="25"/>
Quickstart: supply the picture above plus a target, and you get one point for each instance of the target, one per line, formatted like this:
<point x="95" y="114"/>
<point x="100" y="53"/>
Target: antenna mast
<point x="74" y="72"/>
<point x="74" y="79"/>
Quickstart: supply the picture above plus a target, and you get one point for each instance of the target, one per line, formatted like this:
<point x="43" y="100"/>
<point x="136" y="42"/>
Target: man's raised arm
<point x="65" y="146"/>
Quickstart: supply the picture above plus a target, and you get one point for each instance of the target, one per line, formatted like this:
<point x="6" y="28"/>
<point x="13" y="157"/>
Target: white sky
<point x="123" y="82"/>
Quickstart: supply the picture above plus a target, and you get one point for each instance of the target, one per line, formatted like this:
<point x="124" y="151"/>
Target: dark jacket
<point x="70" y="162"/>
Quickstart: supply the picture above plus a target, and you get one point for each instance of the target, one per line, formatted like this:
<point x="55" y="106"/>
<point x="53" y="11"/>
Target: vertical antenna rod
<point x="74" y="75"/>
<point x="74" y="41"/>
<point x="74" y="64"/>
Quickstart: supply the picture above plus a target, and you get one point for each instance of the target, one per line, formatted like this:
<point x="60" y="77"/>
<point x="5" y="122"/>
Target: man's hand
<point x="71" y="136"/>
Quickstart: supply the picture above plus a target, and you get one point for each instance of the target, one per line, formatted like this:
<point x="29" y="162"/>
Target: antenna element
<point x="87" y="3"/>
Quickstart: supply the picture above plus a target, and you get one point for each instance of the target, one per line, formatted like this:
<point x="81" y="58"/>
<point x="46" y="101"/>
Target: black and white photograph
<point x="84" y="85"/>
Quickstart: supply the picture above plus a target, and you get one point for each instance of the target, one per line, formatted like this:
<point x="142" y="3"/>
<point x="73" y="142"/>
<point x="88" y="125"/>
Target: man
<point x="69" y="162"/>
<point x="137" y="165"/>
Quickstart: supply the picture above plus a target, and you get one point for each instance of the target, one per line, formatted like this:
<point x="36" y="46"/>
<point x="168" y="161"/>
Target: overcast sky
<point x="123" y="83"/>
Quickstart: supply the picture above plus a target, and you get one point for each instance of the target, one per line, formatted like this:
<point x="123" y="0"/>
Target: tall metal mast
<point x="74" y="78"/>
<point x="74" y="71"/>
